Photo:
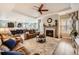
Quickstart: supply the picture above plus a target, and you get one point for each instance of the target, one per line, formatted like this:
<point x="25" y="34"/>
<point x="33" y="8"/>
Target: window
<point x="3" y="23"/>
<point x="66" y="25"/>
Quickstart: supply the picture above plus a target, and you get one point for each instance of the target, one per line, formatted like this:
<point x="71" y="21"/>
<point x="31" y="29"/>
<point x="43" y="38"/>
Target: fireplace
<point x="49" y="33"/>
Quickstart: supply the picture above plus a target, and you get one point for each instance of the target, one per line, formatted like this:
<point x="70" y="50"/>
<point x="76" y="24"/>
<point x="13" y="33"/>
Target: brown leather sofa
<point x="31" y="34"/>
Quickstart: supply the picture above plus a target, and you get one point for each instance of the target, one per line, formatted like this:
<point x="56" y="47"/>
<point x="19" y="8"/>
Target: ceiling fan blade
<point x="36" y="6"/>
<point x="41" y="6"/>
<point x="44" y="10"/>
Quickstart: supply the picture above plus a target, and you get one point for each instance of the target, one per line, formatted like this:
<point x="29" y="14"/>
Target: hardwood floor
<point x="64" y="48"/>
<point x="51" y="46"/>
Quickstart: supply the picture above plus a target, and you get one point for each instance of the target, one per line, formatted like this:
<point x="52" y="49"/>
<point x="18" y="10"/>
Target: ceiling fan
<point x="41" y="9"/>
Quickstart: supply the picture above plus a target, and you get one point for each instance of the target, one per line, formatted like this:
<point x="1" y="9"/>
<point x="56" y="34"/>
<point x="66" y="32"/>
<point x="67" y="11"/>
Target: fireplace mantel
<point x="49" y="26"/>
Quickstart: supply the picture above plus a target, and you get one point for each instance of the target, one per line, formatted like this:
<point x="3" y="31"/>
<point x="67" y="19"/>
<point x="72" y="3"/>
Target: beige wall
<point x="54" y="17"/>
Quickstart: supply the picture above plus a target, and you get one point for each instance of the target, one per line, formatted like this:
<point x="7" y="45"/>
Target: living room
<point x="39" y="28"/>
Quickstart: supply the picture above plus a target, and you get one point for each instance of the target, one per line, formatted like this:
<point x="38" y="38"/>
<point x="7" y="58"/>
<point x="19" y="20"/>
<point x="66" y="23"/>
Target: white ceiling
<point x="28" y="9"/>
